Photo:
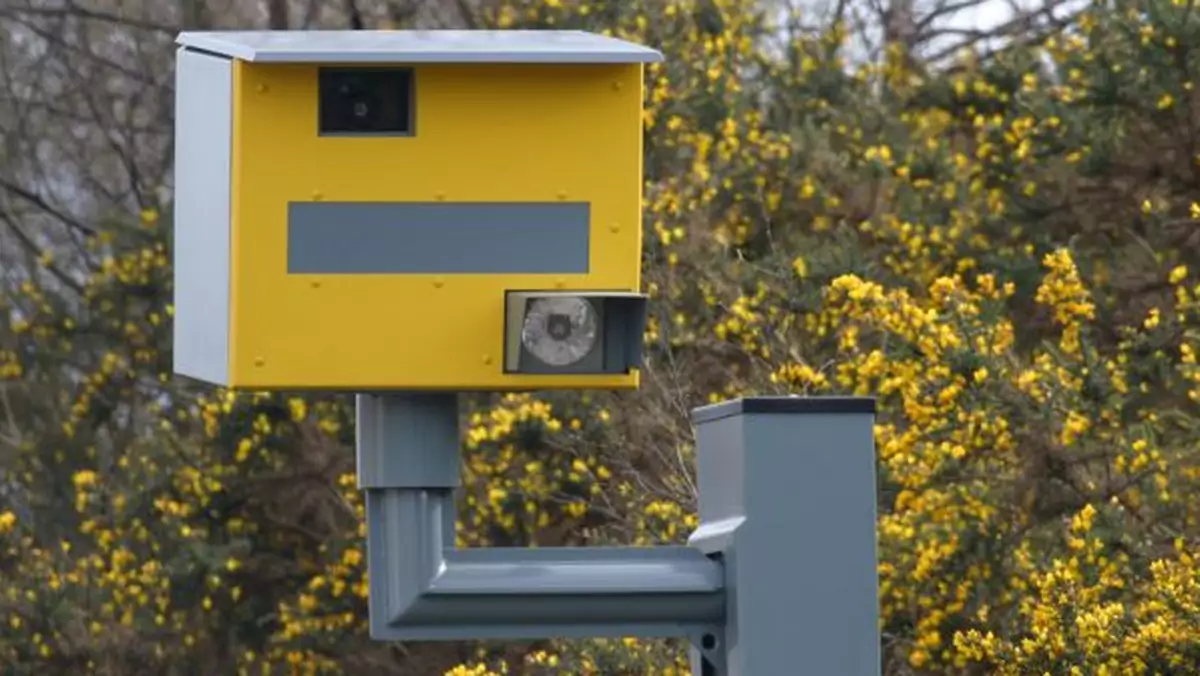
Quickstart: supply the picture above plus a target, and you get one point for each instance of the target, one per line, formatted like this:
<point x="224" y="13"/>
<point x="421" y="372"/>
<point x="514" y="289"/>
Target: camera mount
<point x="780" y="569"/>
<point x="461" y="211"/>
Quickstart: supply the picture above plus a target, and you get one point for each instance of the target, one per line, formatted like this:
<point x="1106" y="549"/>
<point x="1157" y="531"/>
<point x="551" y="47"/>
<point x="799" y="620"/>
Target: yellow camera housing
<point x="353" y="207"/>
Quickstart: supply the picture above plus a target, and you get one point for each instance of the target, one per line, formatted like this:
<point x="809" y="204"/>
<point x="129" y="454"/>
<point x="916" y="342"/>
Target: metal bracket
<point x="757" y="585"/>
<point x="422" y="588"/>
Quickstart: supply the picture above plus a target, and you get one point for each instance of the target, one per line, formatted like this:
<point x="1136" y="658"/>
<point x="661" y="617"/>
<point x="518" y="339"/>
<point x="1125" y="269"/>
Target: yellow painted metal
<point x="484" y="132"/>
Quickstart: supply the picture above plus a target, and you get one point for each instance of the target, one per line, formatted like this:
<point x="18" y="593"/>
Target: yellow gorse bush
<point x="1001" y="252"/>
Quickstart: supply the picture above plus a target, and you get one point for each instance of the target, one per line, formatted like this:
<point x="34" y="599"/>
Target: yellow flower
<point x="1082" y="521"/>
<point x="1075" y="425"/>
<point x="1152" y="319"/>
<point x="84" y="479"/>
<point x="298" y="409"/>
<point x="1063" y="290"/>
<point x="245" y="446"/>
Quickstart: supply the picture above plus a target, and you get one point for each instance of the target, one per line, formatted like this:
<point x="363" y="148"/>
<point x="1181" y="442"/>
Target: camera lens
<point x="560" y="331"/>
<point x="365" y="101"/>
<point x="558" y="326"/>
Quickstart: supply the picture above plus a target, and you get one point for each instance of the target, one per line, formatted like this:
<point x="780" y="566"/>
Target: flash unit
<point x="559" y="331"/>
<point x="572" y="332"/>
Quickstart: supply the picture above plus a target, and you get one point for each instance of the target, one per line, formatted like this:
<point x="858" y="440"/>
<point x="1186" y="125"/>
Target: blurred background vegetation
<point x="994" y="231"/>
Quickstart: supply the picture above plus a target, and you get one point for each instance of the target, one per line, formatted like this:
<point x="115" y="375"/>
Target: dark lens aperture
<point x="356" y="100"/>
<point x="558" y="326"/>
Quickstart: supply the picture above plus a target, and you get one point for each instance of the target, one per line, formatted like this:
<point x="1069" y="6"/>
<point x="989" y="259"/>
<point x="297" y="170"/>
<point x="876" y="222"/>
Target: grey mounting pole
<point x="423" y="588"/>
<point x="787" y="504"/>
<point x="779" y="578"/>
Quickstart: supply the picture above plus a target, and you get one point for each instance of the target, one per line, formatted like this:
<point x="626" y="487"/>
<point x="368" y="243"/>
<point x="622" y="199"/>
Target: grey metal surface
<point x="423" y="589"/>
<point x="420" y="46"/>
<point x="203" y="139"/>
<point x="788" y="502"/>
<point x="438" y="237"/>
<point x="407" y="440"/>
<point x="721" y="471"/>
<point x="780" y="575"/>
<point x="577" y="570"/>
<point x="784" y="404"/>
<point x="624" y="333"/>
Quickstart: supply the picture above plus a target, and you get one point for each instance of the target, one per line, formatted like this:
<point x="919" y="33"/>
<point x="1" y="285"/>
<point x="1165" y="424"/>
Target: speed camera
<point x="409" y="210"/>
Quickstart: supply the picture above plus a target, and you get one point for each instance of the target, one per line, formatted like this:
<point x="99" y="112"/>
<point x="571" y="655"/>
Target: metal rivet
<point x="440" y="196"/>
<point x="439" y="283"/>
<point x="317" y="195"/>
<point x="617" y="85"/>
<point x="562" y="195"/>
<point x="259" y="361"/>
<point x="262" y="89"/>
<point x="558" y="283"/>
<point x="487" y="360"/>
<point x="614" y="228"/>
<point x="316" y="285"/>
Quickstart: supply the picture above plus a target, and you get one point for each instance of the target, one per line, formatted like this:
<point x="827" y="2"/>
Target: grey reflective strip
<point x="438" y="237"/>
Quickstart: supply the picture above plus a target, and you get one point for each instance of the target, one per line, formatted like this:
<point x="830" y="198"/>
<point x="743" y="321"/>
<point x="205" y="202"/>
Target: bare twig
<point x="35" y="250"/>
<point x="354" y="14"/>
<point x="42" y="204"/>
<point x="277" y="15"/>
<point x="77" y="12"/>
<point x="14" y="438"/>
<point x="943" y="9"/>
<point x="1022" y="25"/>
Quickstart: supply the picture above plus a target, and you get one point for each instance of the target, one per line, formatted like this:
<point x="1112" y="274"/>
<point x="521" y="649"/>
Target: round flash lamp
<point x="559" y="331"/>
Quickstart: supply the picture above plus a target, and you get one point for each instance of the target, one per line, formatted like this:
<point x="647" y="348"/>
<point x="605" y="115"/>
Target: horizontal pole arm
<point x="432" y="591"/>
<point x="577" y="570"/>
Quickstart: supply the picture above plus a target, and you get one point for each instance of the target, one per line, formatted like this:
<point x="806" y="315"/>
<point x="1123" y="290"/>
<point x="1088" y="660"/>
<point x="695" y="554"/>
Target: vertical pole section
<point x="407" y="447"/>
<point x="407" y="440"/>
<point x="787" y="502"/>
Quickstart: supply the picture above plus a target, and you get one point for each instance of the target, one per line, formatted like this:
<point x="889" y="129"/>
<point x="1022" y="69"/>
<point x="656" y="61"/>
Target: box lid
<point x="419" y="46"/>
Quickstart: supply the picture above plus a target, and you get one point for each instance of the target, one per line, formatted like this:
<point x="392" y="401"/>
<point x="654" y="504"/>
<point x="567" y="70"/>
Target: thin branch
<point x="74" y="11"/>
<point x="1020" y="24"/>
<point x="126" y="160"/>
<point x="309" y="15"/>
<point x="40" y="203"/>
<point x="277" y="14"/>
<point x="943" y="9"/>
<point x="16" y="438"/>
<point x="470" y="20"/>
<point x="68" y="46"/>
<point x="354" y="15"/>
<point x="839" y="13"/>
<point x="35" y="250"/>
